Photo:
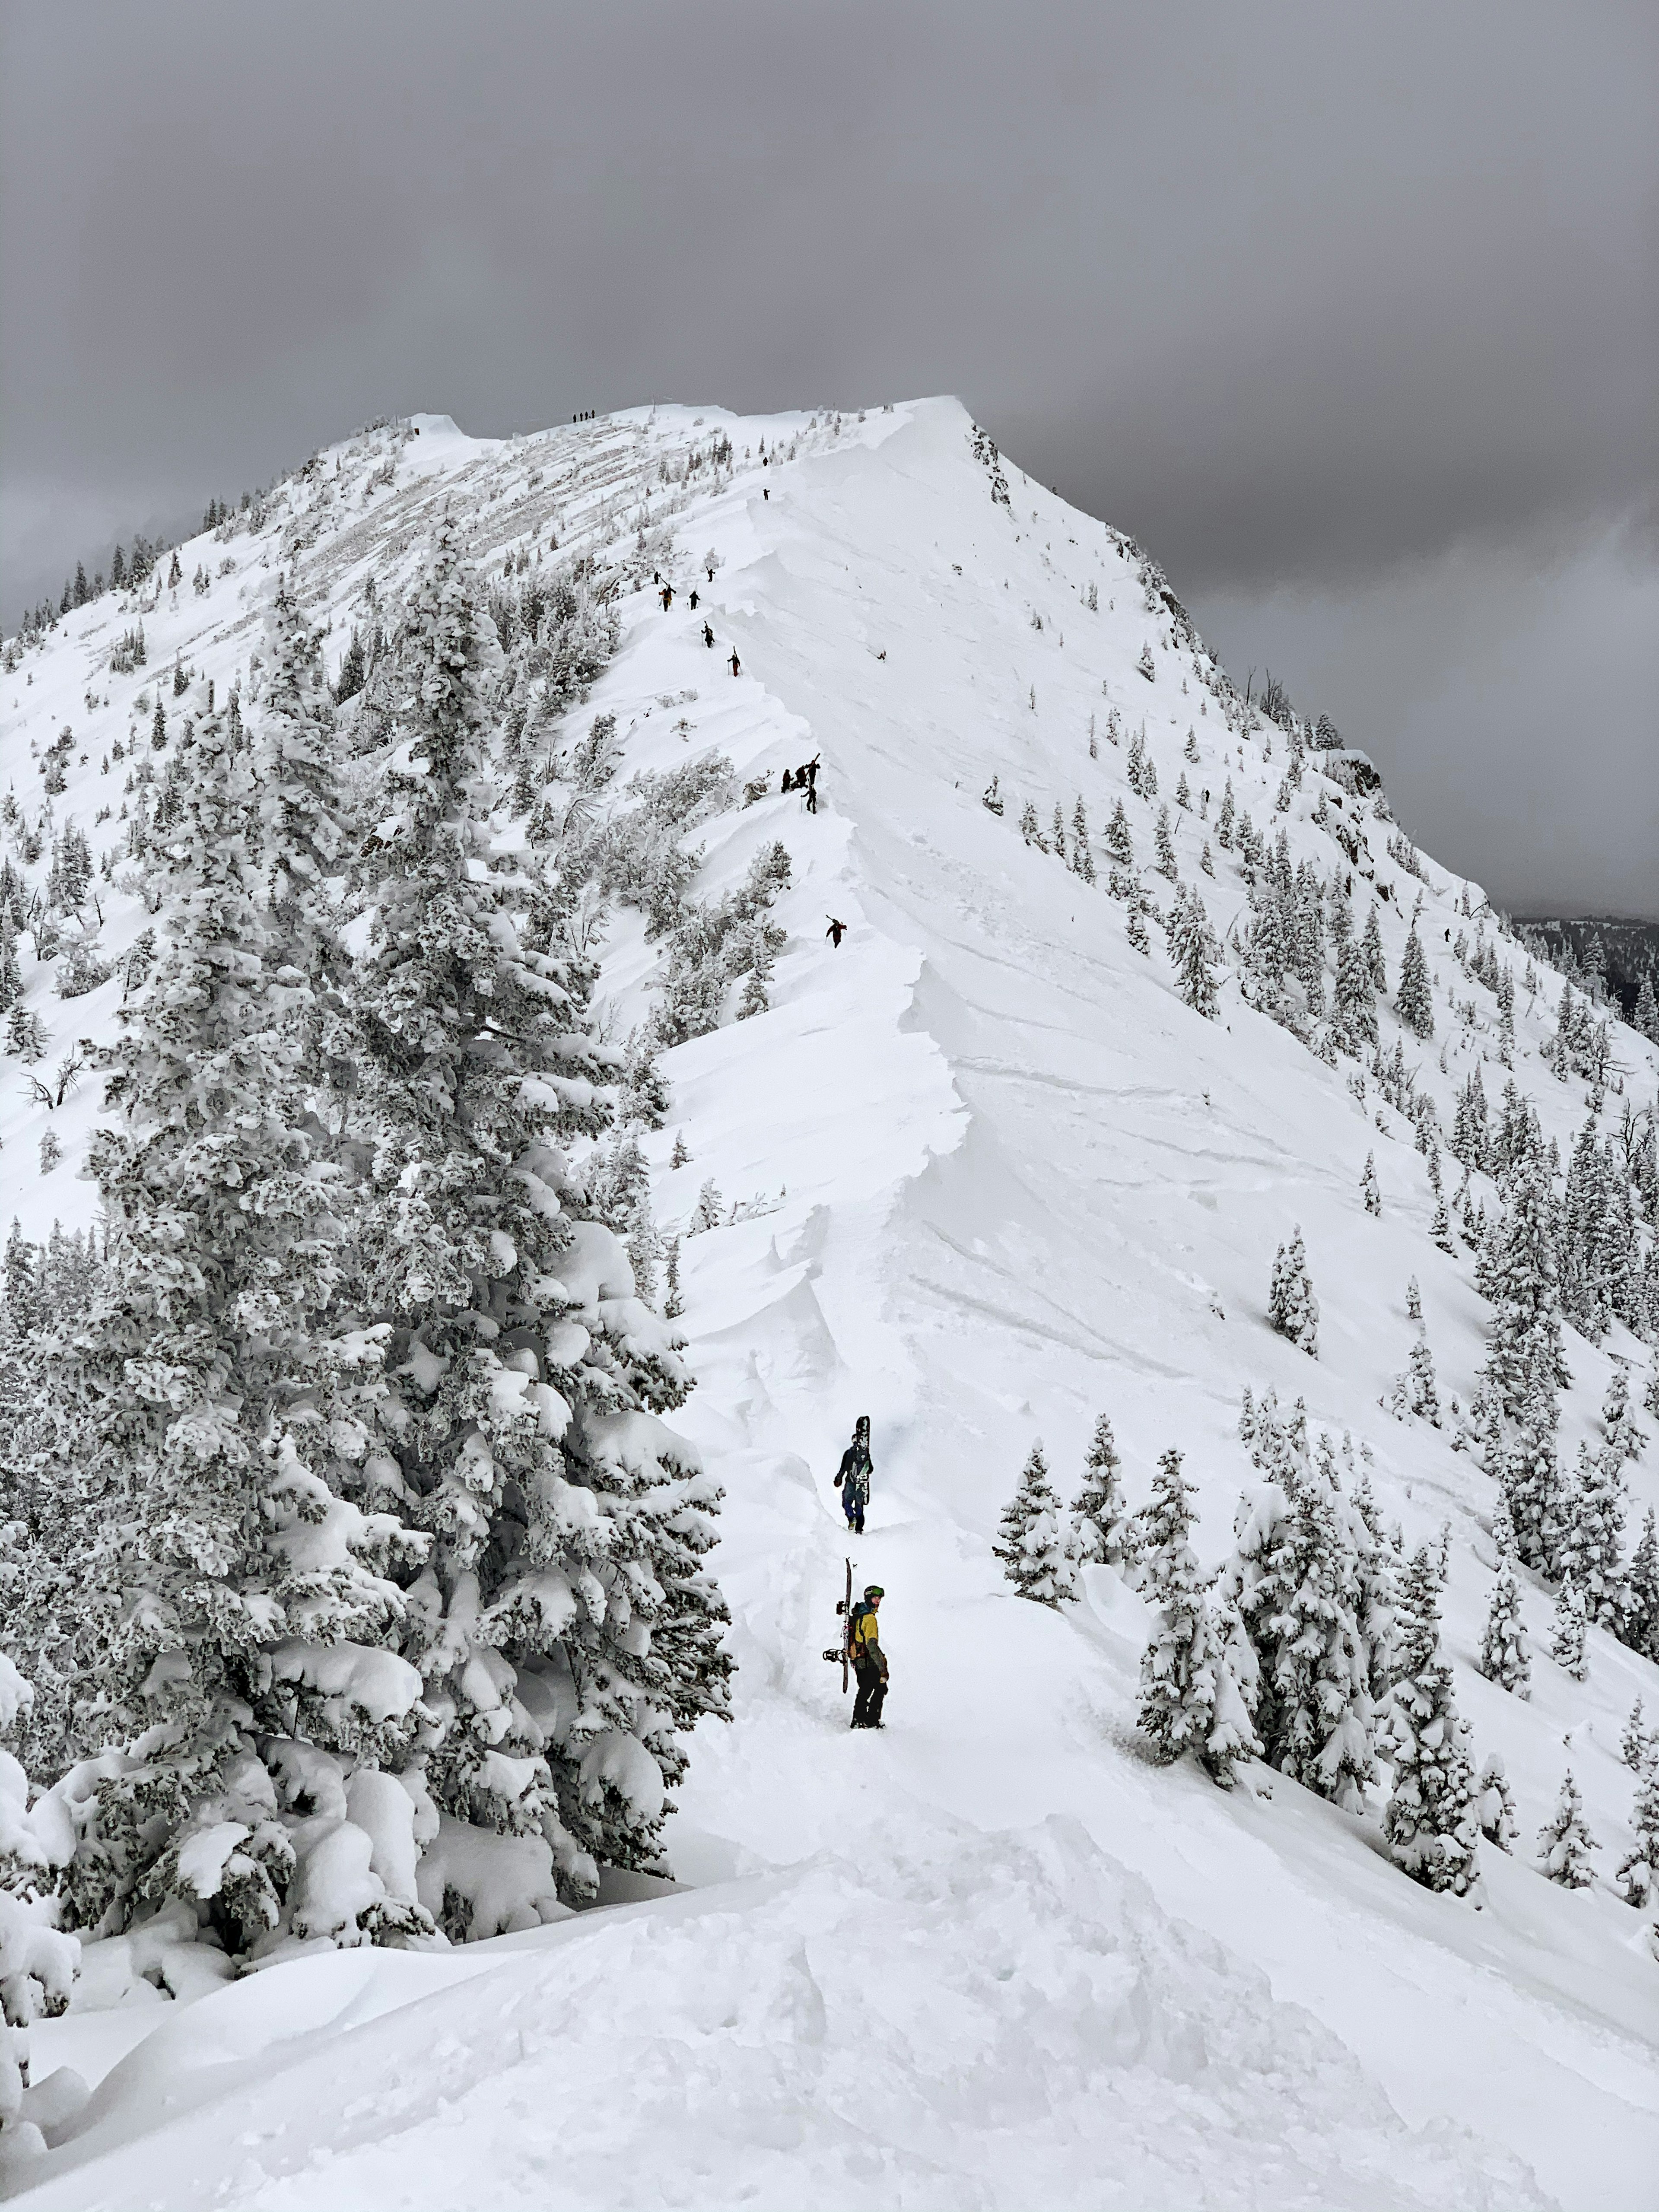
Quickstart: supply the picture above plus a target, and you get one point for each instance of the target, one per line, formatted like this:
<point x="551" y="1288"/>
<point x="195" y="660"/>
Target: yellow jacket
<point x="864" y="1641"/>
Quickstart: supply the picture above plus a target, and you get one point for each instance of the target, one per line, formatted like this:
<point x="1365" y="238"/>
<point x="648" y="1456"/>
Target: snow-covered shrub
<point x="82" y="968"/>
<point x="712" y="943"/>
<point x="1496" y="1807"/>
<point x="38" y="1964"/>
<point x="1371" y="1195"/>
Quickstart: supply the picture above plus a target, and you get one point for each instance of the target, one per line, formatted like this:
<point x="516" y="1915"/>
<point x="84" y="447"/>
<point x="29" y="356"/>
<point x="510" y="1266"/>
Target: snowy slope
<point x="990" y="1957"/>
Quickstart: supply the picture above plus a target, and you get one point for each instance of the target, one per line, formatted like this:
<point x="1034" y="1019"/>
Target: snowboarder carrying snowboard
<point x="869" y="1660"/>
<point x="853" y="1481"/>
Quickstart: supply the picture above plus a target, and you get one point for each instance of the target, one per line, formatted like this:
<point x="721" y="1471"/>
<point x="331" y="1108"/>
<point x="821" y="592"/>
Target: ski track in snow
<point x="990" y="1958"/>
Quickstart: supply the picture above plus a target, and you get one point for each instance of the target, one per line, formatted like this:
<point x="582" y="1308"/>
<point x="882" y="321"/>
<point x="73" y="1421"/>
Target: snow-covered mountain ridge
<point x="993" y="1176"/>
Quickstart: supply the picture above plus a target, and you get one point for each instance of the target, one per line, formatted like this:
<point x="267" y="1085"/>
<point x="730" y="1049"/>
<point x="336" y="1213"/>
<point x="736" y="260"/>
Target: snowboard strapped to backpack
<point x="843" y="1650"/>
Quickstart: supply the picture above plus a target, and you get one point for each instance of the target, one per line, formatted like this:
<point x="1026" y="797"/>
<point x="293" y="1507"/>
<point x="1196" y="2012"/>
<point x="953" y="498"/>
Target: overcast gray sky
<point x="1350" y="314"/>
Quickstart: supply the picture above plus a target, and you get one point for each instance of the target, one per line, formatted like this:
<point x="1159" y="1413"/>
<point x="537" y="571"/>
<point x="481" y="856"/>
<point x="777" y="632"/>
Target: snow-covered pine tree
<point x="1635" y="1745"/>
<point x="238" y="1607"/>
<point x="1496" y="1805"/>
<point x="1371" y="948"/>
<point x="1118" y="842"/>
<point x="1432" y="1822"/>
<point x="38" y="1964"/>
<point x="709" y="1211"/>
<point x="1505" y="1656"/>
<point x="1104" y="1530"/>
<point x="1354" y="1014"/>
<point x="1529" y="1472"/>
<point x="1618" y="1424"/>
<point x="1190" y="1699"/>
<point x="303" y="836"/>
<point x="1163" y="846"/>
<point x="1371" y="1196"/>
<point x="1640" y="1627"/>
<point x="1195" y="952"/>
<point x="1135" y="929"/>
<point x="1521" y="1280"/>
<point x="1416" y="1390"/>
<point x="1593" y="1540"/>
<point x="1292" y="1309"/>
<point x="1317" y="1603"/>
<point x="566" y="1631"/>
<point x="1567" y="1632"/>
<point x="1565" y="1843"/>
<point x="1413" y="1301"/>
<point x="1638" y="1870"/>
<point x="1414" y="1000"/>
<point x="1031" y="1538"/>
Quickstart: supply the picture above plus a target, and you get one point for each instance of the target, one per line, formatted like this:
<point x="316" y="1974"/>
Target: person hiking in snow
<point x="836" y="932"/>
<point x="869" y="1660"/>
<point x="692" y="601"/>
<point x="737" y="665"/>
<point x="667" y="596"/>
<point x="808" y="776"/>
<point x="707" y="635"/>
<point x="853" y="1478"/>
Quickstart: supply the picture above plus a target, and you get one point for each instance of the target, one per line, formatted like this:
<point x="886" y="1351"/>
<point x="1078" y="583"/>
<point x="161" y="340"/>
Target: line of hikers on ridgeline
<point x="805" y="778"/>
<point x="869" y="1661"/>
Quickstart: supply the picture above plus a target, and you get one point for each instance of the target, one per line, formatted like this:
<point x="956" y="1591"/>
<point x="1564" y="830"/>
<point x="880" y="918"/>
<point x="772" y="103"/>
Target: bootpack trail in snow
<point x="985" y="1174"/>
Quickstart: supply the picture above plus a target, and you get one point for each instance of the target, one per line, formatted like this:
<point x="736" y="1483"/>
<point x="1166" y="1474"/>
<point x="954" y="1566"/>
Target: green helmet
<point x="874" y="1590"/>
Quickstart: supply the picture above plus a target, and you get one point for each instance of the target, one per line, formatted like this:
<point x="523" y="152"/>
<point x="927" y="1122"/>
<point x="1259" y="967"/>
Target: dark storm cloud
<point x="1302" y="296"/>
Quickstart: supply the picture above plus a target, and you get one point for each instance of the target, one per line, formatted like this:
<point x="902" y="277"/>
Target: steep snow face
<point x="992" y="1178"/>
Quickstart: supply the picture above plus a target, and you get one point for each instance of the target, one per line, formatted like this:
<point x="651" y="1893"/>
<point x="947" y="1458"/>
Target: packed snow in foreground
<point x="480" y="1139"/>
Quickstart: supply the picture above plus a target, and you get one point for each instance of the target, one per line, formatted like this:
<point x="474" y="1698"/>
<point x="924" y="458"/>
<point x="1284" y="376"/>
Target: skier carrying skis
<point x="707" y="635"/>
<point x="869" y="1660"/>
<point x="836" y="932"/>
<point x="737" y="665"/>
<point x="853" y="1478"/>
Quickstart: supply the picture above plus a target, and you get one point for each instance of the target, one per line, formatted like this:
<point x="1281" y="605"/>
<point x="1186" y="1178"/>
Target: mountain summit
<point x="1080" y="1056"/>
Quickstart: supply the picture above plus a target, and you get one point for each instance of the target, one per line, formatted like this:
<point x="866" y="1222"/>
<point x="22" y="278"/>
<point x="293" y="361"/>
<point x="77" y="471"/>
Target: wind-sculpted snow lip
<point x="951" y="2019"/>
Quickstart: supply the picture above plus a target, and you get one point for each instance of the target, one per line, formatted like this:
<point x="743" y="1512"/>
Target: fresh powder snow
<point x="1045" y="1136"/>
